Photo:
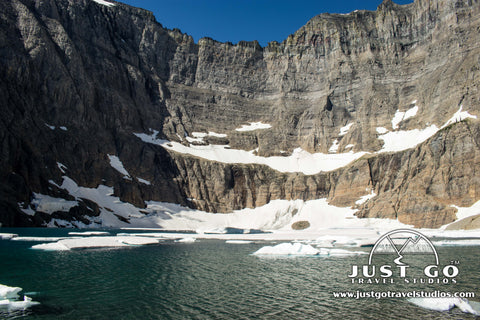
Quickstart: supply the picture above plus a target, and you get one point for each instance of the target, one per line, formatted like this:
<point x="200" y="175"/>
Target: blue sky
<point x="235" y="20"/>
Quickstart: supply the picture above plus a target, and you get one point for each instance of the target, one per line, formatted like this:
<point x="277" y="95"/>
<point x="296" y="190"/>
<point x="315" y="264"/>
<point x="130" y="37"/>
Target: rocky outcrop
<point x="78" y="79"/>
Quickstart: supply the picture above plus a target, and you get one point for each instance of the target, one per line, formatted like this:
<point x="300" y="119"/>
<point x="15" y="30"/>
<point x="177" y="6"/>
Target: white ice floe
<point x="50" y="127"/>
<point x="299" y="161"/>
<point x="303" y="250"/>
<point x="187" y="240"/>
<point x="457" y="242"/>
<point x="63" y="128"/>
<point x="254" y="126"/>
<point x="9" y="299"/>
<point x="344" y="130"/>
<point x="95" y="242"/>
<point x="365" y="198"/>
<point x="459" y="116"/>
<point x="39" y="239"/>
<point x="238" y="241"/>
<point x="7" y="236"/>
<point x="118" y="165"/>
<point x="402" y="116"/>
<point x="288" y="249"/>
<point x="90" y="233"/>
<point x="104" y="3"/>
<point x="445" y="304"/>
<point x="10" y="305"/>
<point x="144" y="181"/>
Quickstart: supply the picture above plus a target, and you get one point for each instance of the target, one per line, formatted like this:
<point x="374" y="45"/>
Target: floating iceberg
<point x="445" y="304"/>
<point x="9" y="299"/>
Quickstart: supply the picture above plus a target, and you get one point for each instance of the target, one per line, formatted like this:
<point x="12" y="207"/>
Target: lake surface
<point x="208" y="279"/>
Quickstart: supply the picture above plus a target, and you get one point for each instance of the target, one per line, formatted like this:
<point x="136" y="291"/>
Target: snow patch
<point x="299" y="161"/>
<point x="105" y="3"/>
<point x="144" y="181"/>
<point x="381" y="130"/>
<point x="459" y="116"/>
<point x="402" y="116"/>
<point x="118" y="165"/>
<point x="61" y="167"/>
<point x="254" y="126"/>
<point x="403" y="140"/>
<point x="48" y="204"/>
<point x="344" y="130"/>
<point x="365" y="198"/>
<point x="334" y="147"/>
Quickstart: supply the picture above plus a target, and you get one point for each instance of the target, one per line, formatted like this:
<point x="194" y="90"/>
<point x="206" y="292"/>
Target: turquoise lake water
<point x="208" y="279"/>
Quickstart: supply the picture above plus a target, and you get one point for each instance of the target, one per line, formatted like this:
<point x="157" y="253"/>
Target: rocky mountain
<point x="97" y="98"/>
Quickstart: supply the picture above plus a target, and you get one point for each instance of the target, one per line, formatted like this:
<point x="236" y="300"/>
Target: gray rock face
<point x="78" y="79"/>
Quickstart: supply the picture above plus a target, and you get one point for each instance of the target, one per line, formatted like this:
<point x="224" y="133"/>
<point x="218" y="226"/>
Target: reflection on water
<point x="205" y="280"/>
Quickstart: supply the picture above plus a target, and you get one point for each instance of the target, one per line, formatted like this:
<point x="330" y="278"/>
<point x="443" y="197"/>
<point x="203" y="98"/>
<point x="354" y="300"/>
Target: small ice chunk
<point x="50" y="127"/>
<point x="254" y="126"/>
<point x="63" y="128"/>
<point x="7" y="292"/>
<point x="444" y="304"/>
<point x="7" y="236"/>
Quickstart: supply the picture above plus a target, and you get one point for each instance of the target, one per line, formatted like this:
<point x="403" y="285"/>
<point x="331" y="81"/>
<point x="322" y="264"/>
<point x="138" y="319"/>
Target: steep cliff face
<point x="79" y="81"/>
